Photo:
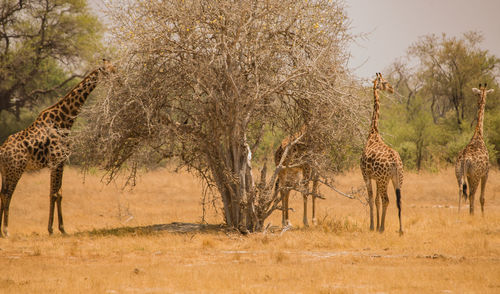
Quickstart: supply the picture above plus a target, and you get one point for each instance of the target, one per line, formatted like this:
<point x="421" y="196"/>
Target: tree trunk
<point x="419" y="153"/>
<point x="457" y="112"/>
<point x="246" y="207"/>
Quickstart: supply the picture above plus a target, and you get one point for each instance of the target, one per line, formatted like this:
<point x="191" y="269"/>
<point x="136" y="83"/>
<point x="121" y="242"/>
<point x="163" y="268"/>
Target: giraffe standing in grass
<point x="473" y="161"/>
<point x="296" y="176"/>
<point x="44" y="144"/>
<point x="381" y="163"/>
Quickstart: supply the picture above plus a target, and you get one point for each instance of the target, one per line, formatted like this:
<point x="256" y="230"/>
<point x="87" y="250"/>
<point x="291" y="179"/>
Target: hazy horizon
<point x="393" y="25"/>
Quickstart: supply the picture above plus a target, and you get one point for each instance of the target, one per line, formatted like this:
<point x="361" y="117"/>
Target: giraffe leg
<point x="315" y="192"/>
<point x="283" y="214"/>
<point x="5" y="207"/>
<point x="287" y="211"/>
<point x="473" y="183"/>
<point x="56" y="197"/>
<point x="1" y="212"/>
<point x="377" y="206"/>
<point x="305" y="195"/>
<point x="385" y="203"/>
<point x="382" y="193"/>
<point x="370" y="200"/>
<point x="284" y="200"/>
<point x="51" y="213"/>
<point x="304" y="219"/>
<point x="59" y="215"/>
<point x="460" y="191"/>
<point x="460" y="181"/>
<point x="481" y="197"/>
<point x="9" y="184"/>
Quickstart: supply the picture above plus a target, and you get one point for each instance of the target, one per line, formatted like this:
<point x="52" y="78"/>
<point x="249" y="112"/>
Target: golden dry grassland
<point x="123" y="241"/>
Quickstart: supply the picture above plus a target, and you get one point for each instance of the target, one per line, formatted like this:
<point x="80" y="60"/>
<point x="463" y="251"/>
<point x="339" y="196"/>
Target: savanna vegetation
<point x="150" y="240"/>
<point x="45" y="47"/>
<point x="208" y="89"/>
<point x="434" y="112"/>
<point x="205" y="82"/>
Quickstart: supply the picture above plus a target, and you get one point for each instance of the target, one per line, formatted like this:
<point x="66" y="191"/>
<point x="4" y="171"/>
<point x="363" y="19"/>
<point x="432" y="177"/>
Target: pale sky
<point x="393" y="25"/>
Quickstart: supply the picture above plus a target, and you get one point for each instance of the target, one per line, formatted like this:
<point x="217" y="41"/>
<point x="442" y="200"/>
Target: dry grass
<point x="126" y="242"/>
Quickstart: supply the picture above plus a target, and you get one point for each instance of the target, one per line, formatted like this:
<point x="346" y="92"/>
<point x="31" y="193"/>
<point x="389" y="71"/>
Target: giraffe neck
<point x="375" y="115"/>
<point x="63" y="113"/>
<point x="478" y="132"/>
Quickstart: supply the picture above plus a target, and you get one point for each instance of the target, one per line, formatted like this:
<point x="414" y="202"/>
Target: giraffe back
<point x="380" y="161"/>
<point x="473" y="160"/>
<point x="36" y="147"/>
<point x="292" y="175"/>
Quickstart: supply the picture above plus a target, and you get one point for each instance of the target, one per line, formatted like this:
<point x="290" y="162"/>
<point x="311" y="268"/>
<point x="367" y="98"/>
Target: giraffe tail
<point x="398" y="181"/>
<point x="464" y="182"/>
<point x="398" y="201"/>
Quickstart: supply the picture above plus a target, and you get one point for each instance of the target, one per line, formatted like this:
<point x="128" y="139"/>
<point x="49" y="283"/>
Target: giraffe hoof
<point x="401" y="233"/>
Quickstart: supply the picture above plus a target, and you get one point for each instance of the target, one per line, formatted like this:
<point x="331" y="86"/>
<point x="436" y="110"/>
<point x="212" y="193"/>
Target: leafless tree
<point x="202" y="81"/>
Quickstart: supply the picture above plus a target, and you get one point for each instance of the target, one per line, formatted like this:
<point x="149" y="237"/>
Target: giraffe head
<point x="107" y="67"/>
<point x="481" y="92"/>
<point x="381" y="84"/>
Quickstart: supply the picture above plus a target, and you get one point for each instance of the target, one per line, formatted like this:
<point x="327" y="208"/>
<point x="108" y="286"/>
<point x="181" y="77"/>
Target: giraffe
<point x="473" y="161"/>
<point x="44" y="144"/>
<point x="295" y="176"/>
<point x="381" y="163"/>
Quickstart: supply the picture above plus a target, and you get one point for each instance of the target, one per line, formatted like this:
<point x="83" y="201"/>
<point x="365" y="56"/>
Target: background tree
<point x="43" y="46"/>
<point x="208" y="82"/>
<point x="449" y="68"/>
<point x="434" y="114"/>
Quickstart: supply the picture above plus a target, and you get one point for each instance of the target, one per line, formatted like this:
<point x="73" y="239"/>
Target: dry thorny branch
<point x="209" y="84"/>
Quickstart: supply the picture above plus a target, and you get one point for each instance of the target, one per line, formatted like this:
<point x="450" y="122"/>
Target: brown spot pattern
<point x="381" y="163"/>
<point x="44" y="144"/>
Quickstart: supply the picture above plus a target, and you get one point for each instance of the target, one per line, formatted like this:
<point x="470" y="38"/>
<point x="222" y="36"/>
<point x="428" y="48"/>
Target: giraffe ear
<point x="476" y="91"/>
<point x="489" y="91"/>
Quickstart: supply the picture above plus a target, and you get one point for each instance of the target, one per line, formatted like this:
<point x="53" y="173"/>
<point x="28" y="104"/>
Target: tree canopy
<point x="449" y="68"/>
<point x="43" y="44"/>
<point x="205" y="81"/>
<point x="436" y="110"/>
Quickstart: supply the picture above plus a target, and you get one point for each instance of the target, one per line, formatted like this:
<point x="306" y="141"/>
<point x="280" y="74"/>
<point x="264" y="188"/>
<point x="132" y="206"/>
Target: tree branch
<point x="42" y="92"/>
